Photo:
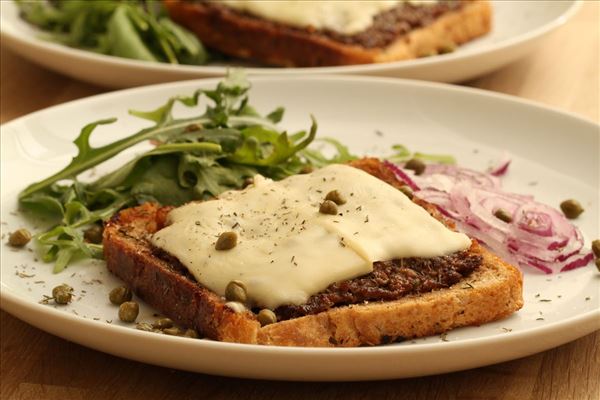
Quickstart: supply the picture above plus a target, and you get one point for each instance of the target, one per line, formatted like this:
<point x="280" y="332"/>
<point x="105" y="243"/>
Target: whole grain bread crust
<point x="492" y="292"/>
<point x="265" y="42"/>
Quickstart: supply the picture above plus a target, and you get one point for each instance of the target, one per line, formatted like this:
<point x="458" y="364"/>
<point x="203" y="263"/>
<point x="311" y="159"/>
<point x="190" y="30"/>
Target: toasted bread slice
<point x="248" y="37"/>
<point x="491" y="292"/>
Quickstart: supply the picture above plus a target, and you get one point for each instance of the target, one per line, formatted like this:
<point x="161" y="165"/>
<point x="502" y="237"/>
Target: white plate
<point x="518" y="28"/>
<point x="554" y="155"/>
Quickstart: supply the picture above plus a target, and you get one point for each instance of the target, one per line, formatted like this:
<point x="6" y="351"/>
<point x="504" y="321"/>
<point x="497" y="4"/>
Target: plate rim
<point x="6" y="296"/>
<point x="504" y="97"/>
<point x="464" y="55"/>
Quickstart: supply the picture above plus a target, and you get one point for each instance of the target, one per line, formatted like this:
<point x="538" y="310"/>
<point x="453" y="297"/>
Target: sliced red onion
<point x="400" y="174"/>
<point x="502" y="168"/>
<point x="538" y="236"/>
<point x="580" y="262"/>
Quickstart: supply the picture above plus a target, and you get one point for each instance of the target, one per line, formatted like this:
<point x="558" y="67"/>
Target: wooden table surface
<point x="563" y="72"/>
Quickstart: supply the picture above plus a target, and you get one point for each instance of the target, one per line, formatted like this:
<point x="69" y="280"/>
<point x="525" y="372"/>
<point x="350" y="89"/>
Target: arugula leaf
<point x="262" y="147"/>
<point x="318" y="160"/>
<point x="402" y="154"/>
<point x="136" y="29"/>
<point x="194" y="159"/>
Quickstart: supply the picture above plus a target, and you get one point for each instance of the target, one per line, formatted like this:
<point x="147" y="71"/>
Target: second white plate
<point x="518" y="26"/>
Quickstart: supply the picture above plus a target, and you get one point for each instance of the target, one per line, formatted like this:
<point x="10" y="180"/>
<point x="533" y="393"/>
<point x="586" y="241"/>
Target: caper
<point x="247" y="182"/>
<point x="93" y="234"/>
<point x="19" y="238"/>
<point x="407" y="191"/>
<point x="571" y="208"/>
<point x="193" y="127"/>
<point x="226" y="241"/>
<point x="596" y="248"/>
<point x="503" y="215"/>
<point x="266" y="317"/>
<point x="191" y="333"/>
<point x="598" y="264"/>
<point x="236" y="291"/>
<point x="447" y="48"/>
<point x="416" y="165"/>
<point x="129" y="311"/>
<point x="307" y="169"/>
<point x="62" y="294"/>
<point x="120" y="295"/>
<point x="336" y="197"/>
<point x="328" y="207"/>
<point x="173" y="331"/>
<point x="162" y="323"/>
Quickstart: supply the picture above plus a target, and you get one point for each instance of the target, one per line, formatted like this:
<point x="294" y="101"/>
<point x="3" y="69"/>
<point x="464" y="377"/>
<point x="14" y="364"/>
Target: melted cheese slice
<point x="343" y="16"/>
<point x="287" y="250"/>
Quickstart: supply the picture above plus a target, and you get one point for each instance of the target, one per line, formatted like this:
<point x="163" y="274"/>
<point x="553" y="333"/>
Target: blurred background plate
<point x="518" y="27"/>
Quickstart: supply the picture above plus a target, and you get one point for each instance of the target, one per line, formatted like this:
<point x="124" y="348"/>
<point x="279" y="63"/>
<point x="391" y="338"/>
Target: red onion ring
<point x="538" y="236"/>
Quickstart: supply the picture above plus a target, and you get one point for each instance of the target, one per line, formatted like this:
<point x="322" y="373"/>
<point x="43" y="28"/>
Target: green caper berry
<point x="93" y="234"/>
<point x="129" y="311"/>
<point x="236" y="291"/>
<point x="307" y="169"/>
<point x="596" y="248"/>
<point x="571" y="208"/>
<point x="336" y="197"/>
<point x="226" y="241"/>
<point x="247" y="182"/>
<point x="503" y="215"/>
<point x="407" y="191"/>
<point x="266" y="317"/>
<point x="19" y="238"/>
<point x="120" y="295"/>
<point x="162" y="323"/>
<point x="193" y="127"/>
<point x="191" y="333"/>
<point x="416" y="165"/>
<point x="62" y="294"/>
<point x="447" y="48"/>
<point x="173" y="331"/>
<point x="328" y="207"/>
<point x="598" y="264"/>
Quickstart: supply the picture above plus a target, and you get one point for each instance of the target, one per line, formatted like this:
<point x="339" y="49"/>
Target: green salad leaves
<point x="137" y="29"/>
<point x="193" y="158"/>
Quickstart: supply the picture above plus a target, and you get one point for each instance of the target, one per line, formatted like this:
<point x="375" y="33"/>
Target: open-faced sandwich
<point x="337" y="257"/>
<point x="324" y="33"/>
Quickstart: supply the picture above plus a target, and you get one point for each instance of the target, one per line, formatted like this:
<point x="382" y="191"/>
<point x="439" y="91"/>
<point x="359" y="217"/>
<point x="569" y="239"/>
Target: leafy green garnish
<point x="138" y="29"/>
<point x="193" y="159"/>
<point x="402" y="154"/>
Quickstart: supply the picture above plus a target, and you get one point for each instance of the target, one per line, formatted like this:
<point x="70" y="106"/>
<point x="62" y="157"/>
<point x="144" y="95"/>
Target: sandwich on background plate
<point x="300" y="33"/>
